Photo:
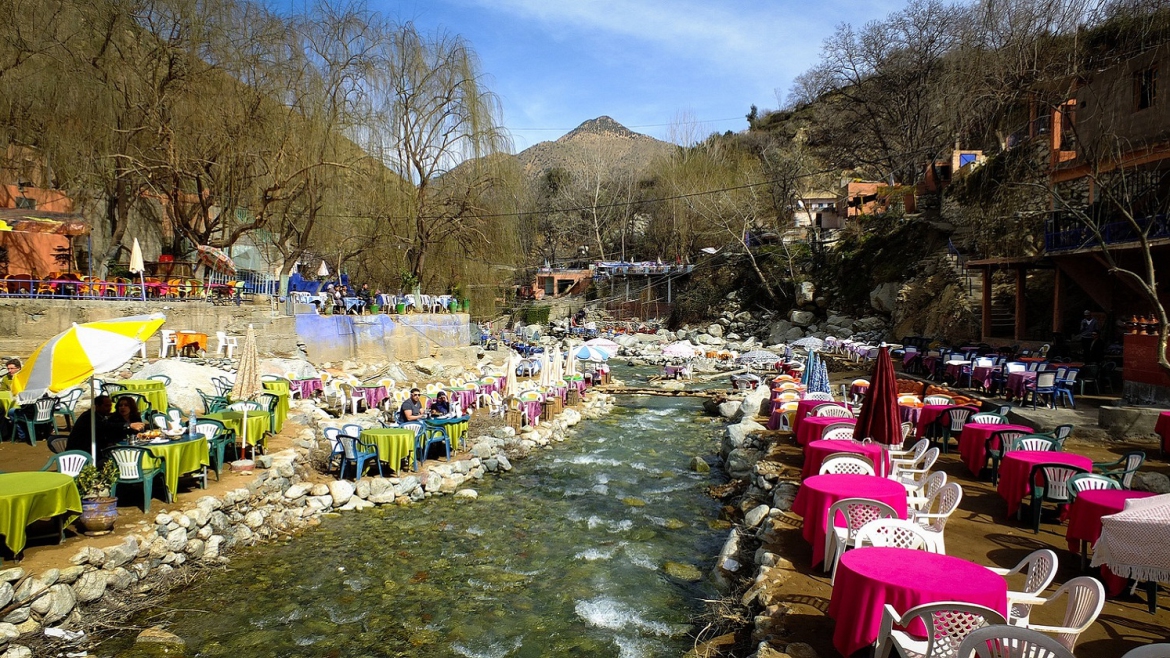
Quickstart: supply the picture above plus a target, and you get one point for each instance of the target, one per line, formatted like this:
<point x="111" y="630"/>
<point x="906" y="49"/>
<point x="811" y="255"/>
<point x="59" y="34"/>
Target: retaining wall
<point x="381" y="337"/>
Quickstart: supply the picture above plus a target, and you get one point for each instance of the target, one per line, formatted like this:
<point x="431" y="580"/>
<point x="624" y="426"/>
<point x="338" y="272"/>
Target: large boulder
<point x="186" y="377"/>
<point x="884" y="298"/>
<point x="777" y="331"/>
<point x="806" y="292"/>
<point x="715" y="330"/>
<point x="299" y="368"/>
<point x="795" y="333"/>
<point x="801" y="318"/>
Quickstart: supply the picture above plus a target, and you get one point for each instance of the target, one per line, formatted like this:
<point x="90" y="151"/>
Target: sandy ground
<point x="982" y="532"/>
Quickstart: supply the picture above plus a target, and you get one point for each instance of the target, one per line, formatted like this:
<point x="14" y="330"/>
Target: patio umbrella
<point x="137" y="266"/>
<point x="810" y="343"/>
<point x="808" y="369"/>
<point x="323" y="271"/>
<point x="216" y="259"/>
<point x="80" y="352"/>
<point x="680" y="350"/>
<point x="588" y="353"/>
<point x="248" y="384"/>
<point x="570" y="363"/>
<point x="819" y="379"/>
<point x="545" y="368"/>
<point x="758" y="357"/>
<point x="510" y="388"/>
<point x="879" y="419"/>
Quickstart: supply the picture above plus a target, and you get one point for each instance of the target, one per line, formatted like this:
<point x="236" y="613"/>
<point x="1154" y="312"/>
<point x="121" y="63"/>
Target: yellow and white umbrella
<point x="82" y="351"/>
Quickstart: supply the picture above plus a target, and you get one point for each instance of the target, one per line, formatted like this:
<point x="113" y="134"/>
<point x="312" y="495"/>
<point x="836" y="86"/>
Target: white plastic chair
<point x="166" y="341"/>
<point x="911" y="454"/>
<point x="939" y="508"/>
<point x="832" y="411"/>
<point x="921" y="498"/>
<point x="1041" y="569"/>
<point x="896" y="533"/>
<point x="1086" y="597"/>
<point x="845" y="464"/>
<point x="938" y="400"/>
<point x="857" y="512"/>
<point x="225" y="342"/>
<point x="986" y="417"/>
<point x="913" y="475"/>
<point x="354" y="400"/>
<point x="827" y="397"/>
<point x="837" y="433"/>
<point x="1011" y="642"/>
<point x="947" y="624"/>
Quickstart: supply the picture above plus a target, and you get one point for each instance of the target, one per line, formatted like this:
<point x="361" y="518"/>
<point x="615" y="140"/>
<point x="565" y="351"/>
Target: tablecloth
<point x="1017" y="466"/>
<point x="816" y="452"/>
<point x="1162" y="427"/>
<point x="7" y="401"/>
<point x="197" y="341"/>
<point x="153" y="390"/>
<point x="813" y="427"/>
<point x="307" y="387"/>
<point x="457" y="427"/>
<point x="955" y="369"/>
<point x="803" y="408"/>
<point x="373" y="395"/>
<point x="179" y="457"/>
<point x="1017" y="382"/>
<point x="394" y="445"/>
<point x="464" y="397"/>
<point x="858" y="390"/>
<point x="973" y="442"/>
<point x="981" y="375"/>
<point x="819" y="492"/>
<point x="1084" y="515"/>
<point x="927" y="414"/>
<point x="531" y="409"/>
<point x="869" y="578"/>
<point x="258" y="424"/>
<point x="33" y="495"/>
<point x="282" y="392"/>
<point x="1135" y="543"/>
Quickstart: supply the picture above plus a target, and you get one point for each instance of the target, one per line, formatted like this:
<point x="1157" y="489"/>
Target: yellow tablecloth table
<point x="33" y="495"/>
<point x="179" y="457"/>
<point x="153" y="390"/>
<point x="7" y="402"/>
<point x="280" y="390"/>
<point x="258" y="424"/>
<point x="394" y="445"/>
<point x="456" y="428"/>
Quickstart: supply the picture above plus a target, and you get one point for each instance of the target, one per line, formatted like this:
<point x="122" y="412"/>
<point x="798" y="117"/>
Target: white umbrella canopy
<point x="545" y="370"/>
<point x="137" y="266"/>
<point x="510" y="388"/>
<point x="323" y="270"/>
<point x="557" y="368"/>
<point x="604" y="343"/>
<point x="570" y="364"/>
<point x="588" y="353"/>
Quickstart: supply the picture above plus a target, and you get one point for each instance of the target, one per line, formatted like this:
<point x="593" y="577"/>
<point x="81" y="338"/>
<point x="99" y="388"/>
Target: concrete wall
<point x="26" y="323"/>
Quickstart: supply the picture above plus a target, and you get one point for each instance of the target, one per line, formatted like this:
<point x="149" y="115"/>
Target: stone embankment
<point x="287" y="496"/>
<point x="745" y="568"/>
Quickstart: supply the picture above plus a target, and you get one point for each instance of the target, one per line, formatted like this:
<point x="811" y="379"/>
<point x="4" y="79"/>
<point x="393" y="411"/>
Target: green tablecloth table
<point x="280" y="390"/>
<point x="180" y="457"/>
<point x="7" y="402"/>
<point x="258" y="424"/>
<point x="456" y="428"/>
<point x="33" y="495"/>
<point x="153" y="390"/>
<point x="394" y="445"/>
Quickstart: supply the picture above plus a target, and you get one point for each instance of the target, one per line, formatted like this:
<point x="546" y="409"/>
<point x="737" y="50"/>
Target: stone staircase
<point x="1003" y="317"/>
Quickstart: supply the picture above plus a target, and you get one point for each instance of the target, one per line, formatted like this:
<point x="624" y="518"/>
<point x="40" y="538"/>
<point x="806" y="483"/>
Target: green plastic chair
<point x="131" y="471"/>
<point x="212" y="403"/>
<point x="32" y="416"/>
<point x="144" y="408"/>
<point x="997" y="444"/>
<point x="69" y="462"/>
<point x="1123" y="469"/>
<point x="161" y="378"/>
<point x="68" y="406"/>
<point x="1035" y="442"/>
<point x="218" y="438"/>
<point x="269" y="402"/>
<point x="1049" y="483"/>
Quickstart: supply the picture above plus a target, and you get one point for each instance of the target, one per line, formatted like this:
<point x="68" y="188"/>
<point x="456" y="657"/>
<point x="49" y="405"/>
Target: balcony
<point x="1063" y="233"/>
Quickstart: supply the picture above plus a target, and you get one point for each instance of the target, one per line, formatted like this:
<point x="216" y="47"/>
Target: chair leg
<point x="147" y="485"/>
<point x="1036" y="507"/>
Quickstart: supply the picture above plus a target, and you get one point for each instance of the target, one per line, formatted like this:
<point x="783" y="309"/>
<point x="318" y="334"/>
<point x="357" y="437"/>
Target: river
<point x="564" y="556"/>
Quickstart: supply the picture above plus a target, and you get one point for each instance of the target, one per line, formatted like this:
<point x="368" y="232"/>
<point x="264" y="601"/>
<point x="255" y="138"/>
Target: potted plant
<point x="99" y="509"/>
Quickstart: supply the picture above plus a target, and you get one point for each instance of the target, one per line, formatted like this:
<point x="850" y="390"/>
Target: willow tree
<point x="431" y="113"/>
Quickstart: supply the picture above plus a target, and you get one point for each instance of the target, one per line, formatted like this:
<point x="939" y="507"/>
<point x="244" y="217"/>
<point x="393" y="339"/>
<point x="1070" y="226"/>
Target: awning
<point x="22" y="220"/>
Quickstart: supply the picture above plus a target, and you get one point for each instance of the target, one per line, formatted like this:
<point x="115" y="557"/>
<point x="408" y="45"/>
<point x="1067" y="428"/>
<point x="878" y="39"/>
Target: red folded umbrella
<point x="879" y="419"/>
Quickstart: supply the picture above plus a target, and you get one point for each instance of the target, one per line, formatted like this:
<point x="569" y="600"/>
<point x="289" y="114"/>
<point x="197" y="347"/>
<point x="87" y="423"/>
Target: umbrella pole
<point x="142" y="284"/>
<point x="92" y="423"/>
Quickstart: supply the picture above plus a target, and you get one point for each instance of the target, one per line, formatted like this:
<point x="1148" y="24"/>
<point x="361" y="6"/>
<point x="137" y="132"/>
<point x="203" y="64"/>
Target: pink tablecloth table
<point x="1084" y="515"/>
<point x="981" y="375"/>
<point x="1017" y="382"/>
<point x="870" y="578"/>
<point x="1017" y="465"/>
<point x="373" y="394"/>
<point x="973" y="442"/>
<point x="307" y="387"/>
<point x="955" y="370"/>
<point x="531" y="410"/>
<point x="858" y="390"/>
<point x="774" y="419"/>
<point x="819" y="492"/>
<point x="803" y="408"/>
<point x="816" y="452"/>
<point x="929" y="413"/>
<point x="813" y="427"/>
<point x="464" y="397"/>
<point x="1162" y="428"/>
<point x="909" y="413"/>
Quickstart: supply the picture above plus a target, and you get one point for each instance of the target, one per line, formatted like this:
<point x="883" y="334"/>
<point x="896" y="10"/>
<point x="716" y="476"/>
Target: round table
<point x="153" y="390"/>
<point x="973" y="442"/>
<point x="819" y="492"/>
<point x="466" y="398"/>
<point x="816" y="452"/>
<point x="870" y="578"/>
<point x="282" y="392"/>
<point x="1017" y="465"/>
<point x="373" y="395"/>
<point x="1162" y="428"/>
<point x="456" y="427"/>
<point x="258" y="425"/>
<point x="33" y="495"/>
<point x="927" y="414"/>
<point x="981" y="375"/>
<point x="179" y="457"/>
<point x="813" y="427"/>
<point x="803" y="408"/>
<point x="1084" y="515"/>
<point x="1017" y="382"/>
<point x="394" y="445"/>
<point x="193" y="339"/>
<point x="306" y="387"/>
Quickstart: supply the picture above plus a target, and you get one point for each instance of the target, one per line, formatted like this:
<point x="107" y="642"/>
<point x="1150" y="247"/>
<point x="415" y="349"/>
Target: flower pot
<point x="98" y="516"/>
<point x="400" y="309"/>
<point x="467" y="306"/>
<point x="453" y="307"/>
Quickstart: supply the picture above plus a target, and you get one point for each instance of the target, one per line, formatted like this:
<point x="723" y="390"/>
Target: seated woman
<point x="440" y="406"/>
<point x="110" y="429"/>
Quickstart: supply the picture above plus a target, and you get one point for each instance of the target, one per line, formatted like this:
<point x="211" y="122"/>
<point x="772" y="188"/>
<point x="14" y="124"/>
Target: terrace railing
<point x="1064" y="234"/>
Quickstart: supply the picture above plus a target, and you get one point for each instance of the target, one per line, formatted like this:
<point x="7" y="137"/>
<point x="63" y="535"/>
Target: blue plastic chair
<point x="131" y="471"/>
<point x="357" y="452"/>
<point x="434" y="434"/>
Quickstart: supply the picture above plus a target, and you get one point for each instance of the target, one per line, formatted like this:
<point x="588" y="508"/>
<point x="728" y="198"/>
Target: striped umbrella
<point x="248" y="384"/>
<point x="589" y="353"/>
<point x="819" y="379"/>
<point x="79" y="353"/>
<point x="216" y="259"/>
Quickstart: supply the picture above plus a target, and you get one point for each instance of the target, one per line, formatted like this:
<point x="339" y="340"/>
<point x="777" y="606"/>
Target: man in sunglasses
<point x="411" y="409"/>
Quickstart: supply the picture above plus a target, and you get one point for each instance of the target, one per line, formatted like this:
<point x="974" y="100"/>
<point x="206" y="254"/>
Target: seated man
<point x="441" y="406"/>
<point x="13" y="366"/>
<point x="109" y="431"/>
<point x="411" y="410"/>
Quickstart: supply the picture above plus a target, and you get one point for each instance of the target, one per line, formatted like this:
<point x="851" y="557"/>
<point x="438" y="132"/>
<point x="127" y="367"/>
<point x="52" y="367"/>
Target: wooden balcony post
<point x="986" y="302"/>
<point x="1021" y="303"/>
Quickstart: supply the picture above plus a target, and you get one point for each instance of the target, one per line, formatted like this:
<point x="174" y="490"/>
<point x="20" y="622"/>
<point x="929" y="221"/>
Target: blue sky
<point x="556" y="63"/>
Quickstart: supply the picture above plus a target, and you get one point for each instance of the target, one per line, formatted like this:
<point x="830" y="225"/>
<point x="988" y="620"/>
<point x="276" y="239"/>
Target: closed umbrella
<point x="137" y="266"/>
<point x="323" y="271"/>
<point x="248" y="384"/>
<point x="819" y="379"/>
<point x="510" y="387"/>
<point x="570" y="363"/>
<point x="80" y="352"/>
<point x="545" y="370"/>
<point x="216" y="259"/>
<point x="879" y="419"/>
<point x="557" y="367"/>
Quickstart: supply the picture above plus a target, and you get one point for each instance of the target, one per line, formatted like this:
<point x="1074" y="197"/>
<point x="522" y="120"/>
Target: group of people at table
<point x="888" y="505"/>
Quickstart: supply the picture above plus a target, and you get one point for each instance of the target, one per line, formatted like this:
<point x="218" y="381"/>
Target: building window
<point x="26" y="203"/>
<point x="1145" y="87"/>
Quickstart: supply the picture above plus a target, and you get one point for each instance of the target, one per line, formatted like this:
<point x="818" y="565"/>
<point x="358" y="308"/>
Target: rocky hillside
<point x="600" y="143"/>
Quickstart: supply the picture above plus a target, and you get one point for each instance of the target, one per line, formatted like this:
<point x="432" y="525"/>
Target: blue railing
<point x="1068" y="234"/>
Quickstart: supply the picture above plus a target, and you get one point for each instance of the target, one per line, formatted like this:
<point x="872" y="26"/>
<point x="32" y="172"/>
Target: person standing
<point x="1088" y="327"/>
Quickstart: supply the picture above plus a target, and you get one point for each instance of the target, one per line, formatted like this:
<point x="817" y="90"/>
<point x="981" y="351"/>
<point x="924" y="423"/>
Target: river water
<point x="564" y="556"/>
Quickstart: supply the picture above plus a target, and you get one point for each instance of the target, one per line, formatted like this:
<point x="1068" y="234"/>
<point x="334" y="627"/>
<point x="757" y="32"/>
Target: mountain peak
<point x="602" y="125"/>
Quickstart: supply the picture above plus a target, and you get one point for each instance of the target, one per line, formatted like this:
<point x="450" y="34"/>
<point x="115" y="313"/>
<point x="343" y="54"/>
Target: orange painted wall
<point x="32" y="253"/>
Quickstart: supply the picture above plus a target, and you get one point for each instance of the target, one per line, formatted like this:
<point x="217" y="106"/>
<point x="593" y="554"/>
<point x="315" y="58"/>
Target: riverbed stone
<point x="118" y="555"/>
<point x="681" y="571"/>
<point x="699" y="465"/>
<point x="55" y="604"/>
<point x="90" y="586"/>
<point x="407" y="485"/>
<point x="12" y="574"/>
<point x="362" y="488"/>
<point x="89" y="555"/>
<point x="341" y="491"/>
<point x="755" y="516"/>
<point x="18" y="651"/>
<point x="158" y="635"/>
<point x="6" y="593"/>
<point x="467" y="493"/>
<point x="29" y="589"/>
<point x="1152" y="482"/>
<point x="296" y="491"/>
<point x="8" y="632"/>
<point x="254" y="519"/>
